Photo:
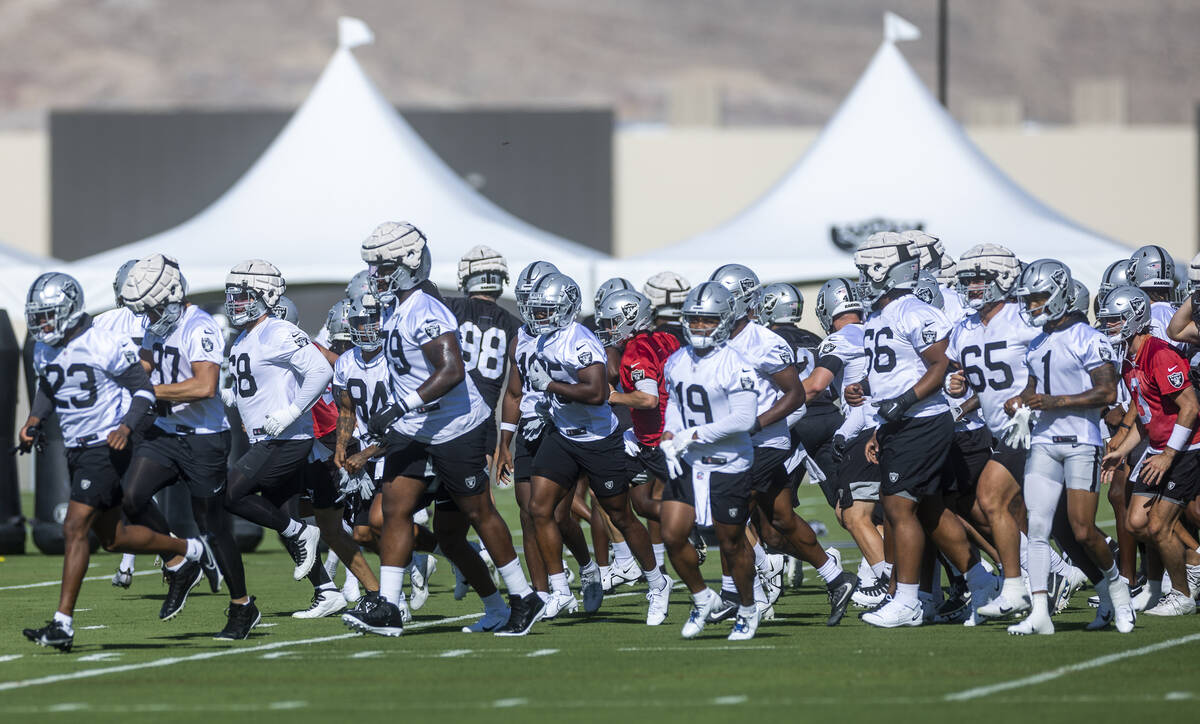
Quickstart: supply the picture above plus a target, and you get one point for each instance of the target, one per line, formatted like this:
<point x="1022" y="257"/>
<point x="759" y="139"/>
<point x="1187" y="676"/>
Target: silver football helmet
<point x="986" y="275"/>
<point x="1080" y="297"/>
<point x="119" y="279"/>
<point x="482" y="270"/>
<point x="666" y="291"/>
<point x="337" y="322"/>
<point x="1151" y="267"/>
<point x="397" y="255"/>
<point x="365" y="319"/>
<point x="782" y="303"/>
<point x="622" y="314"/>
<point x="155" y="288"/>
<point x="552" y="304"/>
<point x="286" y="310"/>
<point x="708" y="315"/>
<point x="359" y="284"/>
<point x="529" y="276"/>
<point x="886" y="261"/>
<point x="1044" y="291"/>
<point x="743" y="283"/>
<point x="1117" y="274"/>
<point x="928" y="290"/>
<point x="252" y="289"/>
<point x="835" y="298"/>
<point x="1193" y="274"/>
<point x="608" y="287"/>
<point x="53" y="306"/>
<point x="1124" y="312"/>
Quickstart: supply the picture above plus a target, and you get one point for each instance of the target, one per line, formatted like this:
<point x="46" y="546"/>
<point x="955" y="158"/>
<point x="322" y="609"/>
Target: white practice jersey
<point x="263" y="378"/>
<point x="196" y="338"/>
<point x="1061" y="362"/>
<point x="366" y="382"/>
<point x="842" y="353"/>
<point x="767" y="353"/>
<point x="566" y="352"/>
<point x="79" y="380"/>
<point x="1160" y="318"/>
<point x="992" y="358"/>
<point x="122" y="320"/>
<point x="322" y="337"/>
<point x="952" y="305"/>
<point x="526" y="349"/>
<point x="700" y="391"/>
<point x="417" y="321"/>
<point x="894" y="339"/>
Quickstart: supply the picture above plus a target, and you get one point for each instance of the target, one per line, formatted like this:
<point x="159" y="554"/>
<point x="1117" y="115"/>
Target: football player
<point x="1071" y="381"/>
<point x="666" y="292"/>
<point x="93" y="380"/>
<point x="905" y="341"/>
<point x="436" y="414"/>
<point x="707" y="448"/>
<point x="1152" y="270"/>
<point x="941" y="266"/>
<point x="780" y="395"/>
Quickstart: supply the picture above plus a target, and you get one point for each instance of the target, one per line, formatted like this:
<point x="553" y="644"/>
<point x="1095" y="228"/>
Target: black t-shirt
<point x="485" y="331"/>
<point x="805" y="344"/>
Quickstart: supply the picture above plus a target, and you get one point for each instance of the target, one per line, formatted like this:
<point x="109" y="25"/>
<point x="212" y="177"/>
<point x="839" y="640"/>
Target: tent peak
<point x="896" y="29"/>
<point x="353" y="32"/>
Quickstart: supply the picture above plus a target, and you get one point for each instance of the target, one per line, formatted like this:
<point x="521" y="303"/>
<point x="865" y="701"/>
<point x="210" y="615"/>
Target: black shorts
<point x="1182" y="480"/>
<point x="321" y="480"/>
<point x="857" y="477"/>
<point x="912" y="453"/>
<point x="816" y="433"/>
<point x="460" y="465"/>
<point x="523" y="452"/>
<point x="200" y="460"/>
<point x="768" y="474"/>
<point x="491" y="436"/>
<point x="652" y="460"/>
<point x="1012" y="458"/>
<point x="729" y="495"/>
<point x="96" y="474"/>
<point x="969" y="452"/>
<point x="276" y="463"/>
<point x="604" y="461"/>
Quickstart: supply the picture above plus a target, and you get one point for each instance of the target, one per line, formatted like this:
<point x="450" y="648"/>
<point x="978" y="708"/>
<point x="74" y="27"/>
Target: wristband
<point x="1179" y="438"/>
<point x="412" y="401"/>
<point x="508" y="427"/>
<point x="1123" y="425"/>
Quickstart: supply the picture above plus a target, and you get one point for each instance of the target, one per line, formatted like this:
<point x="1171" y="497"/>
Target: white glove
<point x="537" y="375"/>
<point x="532" y="429"/>
<point x="229" y="396"/>
<point x="281" y="420"/>
<point x="673" y="449"/>
<point x="631" y="444"/>
<point x="1018" y="429"/>
<point x="351" y="484"/>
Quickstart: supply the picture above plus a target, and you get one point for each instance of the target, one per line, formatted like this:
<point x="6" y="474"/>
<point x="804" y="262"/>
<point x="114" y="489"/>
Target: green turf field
<point x="126" y="661"/>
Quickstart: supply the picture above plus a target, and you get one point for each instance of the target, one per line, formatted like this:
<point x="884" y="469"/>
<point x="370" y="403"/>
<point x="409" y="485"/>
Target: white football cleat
<point x="627" y="572"/>
<point x="559" y="603"/>
<point x="660" y="600"/>
<point x="1142" y="599"/>
<point x="1193" y="575"/>
<point x="1124" y="614"/>
<point x="744" y="627"/>
<point x="1173" y="604"/>
<point x="305" y="553"/>
<point x="592" y="587"/>
<point x="771" y="575"/>
<point x="1033" y="624"/>
<point x="606" y="582"/>
<point x="420" y="586"/>
<point x="895" y="613"/>
<point x="122" y="578"/>
<point x="491" y="566"/>
<point x="1001" y="607"/>
<point x="325" y="602"/>
<point x="570" y="574"/>
<point x="699" y="614"/>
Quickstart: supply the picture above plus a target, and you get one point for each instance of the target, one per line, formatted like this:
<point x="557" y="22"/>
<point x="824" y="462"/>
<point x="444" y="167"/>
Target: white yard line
<point x="89" y="578"/>
<point x="1072" y="668"/>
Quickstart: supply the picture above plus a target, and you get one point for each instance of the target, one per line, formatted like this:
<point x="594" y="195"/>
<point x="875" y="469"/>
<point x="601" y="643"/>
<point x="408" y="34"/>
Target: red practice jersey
<point x="643" y="360"/>
<point x="324" y="415"/>
<point x="1156" y="373"/>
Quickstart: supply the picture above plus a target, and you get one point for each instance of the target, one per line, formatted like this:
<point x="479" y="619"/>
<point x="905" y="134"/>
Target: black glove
<point x="381" y="422"/>
<point x="893" y="409"/>
<point x="839" y="447"/>
<point x="163" y="408"/>
<point x="38" y="444"/>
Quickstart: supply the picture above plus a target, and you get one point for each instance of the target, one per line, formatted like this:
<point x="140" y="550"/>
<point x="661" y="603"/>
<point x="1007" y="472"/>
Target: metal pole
<point x="943" y="42"/>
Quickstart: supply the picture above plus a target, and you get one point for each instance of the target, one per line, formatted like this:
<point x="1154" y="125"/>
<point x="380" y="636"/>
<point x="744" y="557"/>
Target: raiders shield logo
<point x="1175" y="378"/>
<point x="85" y="483"/>
<point x="637" y="374"/>
<point x="826" y="348"/>
<point x="1106" y="353"/>
<point x="786" y="355"/>
<point x="733" y="512"/>
<point x="470" y="481"/>
<point x="746" y="381"/>
<point x="608" y="485"/>
<point x="928" y="336"/>
<point x="585" y="358"/>
<point x="300" y="338"/>
<point x="893" y="477"/>
<point x="433" y="329"/>
<point x="130" y="356"/>
<point x="925" y="294"/>
<point x="206" y="344"/>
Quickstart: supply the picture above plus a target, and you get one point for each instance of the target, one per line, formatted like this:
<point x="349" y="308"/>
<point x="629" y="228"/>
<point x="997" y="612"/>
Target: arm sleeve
<point x="316" y="374"/>
<point x="42" y="405"/>
<point x="673" y="422"/>
<point x="135" y="379"/>
<point x="743" y="404"/>
<point x="649" y="387"/>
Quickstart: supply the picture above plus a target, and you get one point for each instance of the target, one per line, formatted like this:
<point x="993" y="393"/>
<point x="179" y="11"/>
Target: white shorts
<point x="1075" y="465"/>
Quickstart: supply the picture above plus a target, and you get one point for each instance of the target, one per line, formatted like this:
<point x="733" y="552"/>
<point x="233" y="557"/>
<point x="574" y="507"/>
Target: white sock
<point x="126" y="562"/>
<point x="700" y="596"/>
<point x="544" y="595"/>
<point x="1041" y="606"/>
<point x="391" y="583"/>
<point x="494" y="602"/>
<point x="589" y="568"/>
<point x="888" y="568"/>
<point x="293" y="529"/>
<point x="747" y="611"/>
<point x="514" y="578"/>
<point x="621" y="552"/>
<point x="1014" y="589"/>
<point x="759" y="594"/>
<point x="195" y="549"/>
<point x="65" y="620"/>
<point x="880" y="569"/>
<point x="1112" y="574"/>
<point x="654" y="578"/>
<point x="830" y="570"/>
<point x="558" y="583"/>
<point x="727" y="584"/>
<point x="760" y="556"/>
<point x="660" y="553"/>
<point x="351" y="579"/>
<point x="906" y="592"/>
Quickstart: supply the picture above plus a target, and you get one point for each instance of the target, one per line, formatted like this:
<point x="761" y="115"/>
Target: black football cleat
<point x="53" y="634"/>
<point x="180" y="583"/>
<point x="242" y="618"/>
<point x="375" y="614"/>
<point x="726" y="609"/>
<point x="523" y="614"/>
<point x="840" y="591"/>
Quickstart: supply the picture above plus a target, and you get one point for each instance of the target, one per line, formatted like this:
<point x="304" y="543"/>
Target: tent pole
<point x="943" y="41"/>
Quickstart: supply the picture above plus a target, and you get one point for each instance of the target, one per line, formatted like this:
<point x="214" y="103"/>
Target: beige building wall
<point x="25" y="191"/>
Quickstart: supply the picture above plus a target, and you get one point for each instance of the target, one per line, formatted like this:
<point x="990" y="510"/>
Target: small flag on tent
<point x="897" y="29"/>
<point x="353" y="32"/>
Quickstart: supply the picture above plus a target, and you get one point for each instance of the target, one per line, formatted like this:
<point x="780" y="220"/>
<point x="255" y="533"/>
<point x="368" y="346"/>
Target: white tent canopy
<point x="891" y="157"/>
<point x="20" y="268"/>
<point x="345" y="162"/>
